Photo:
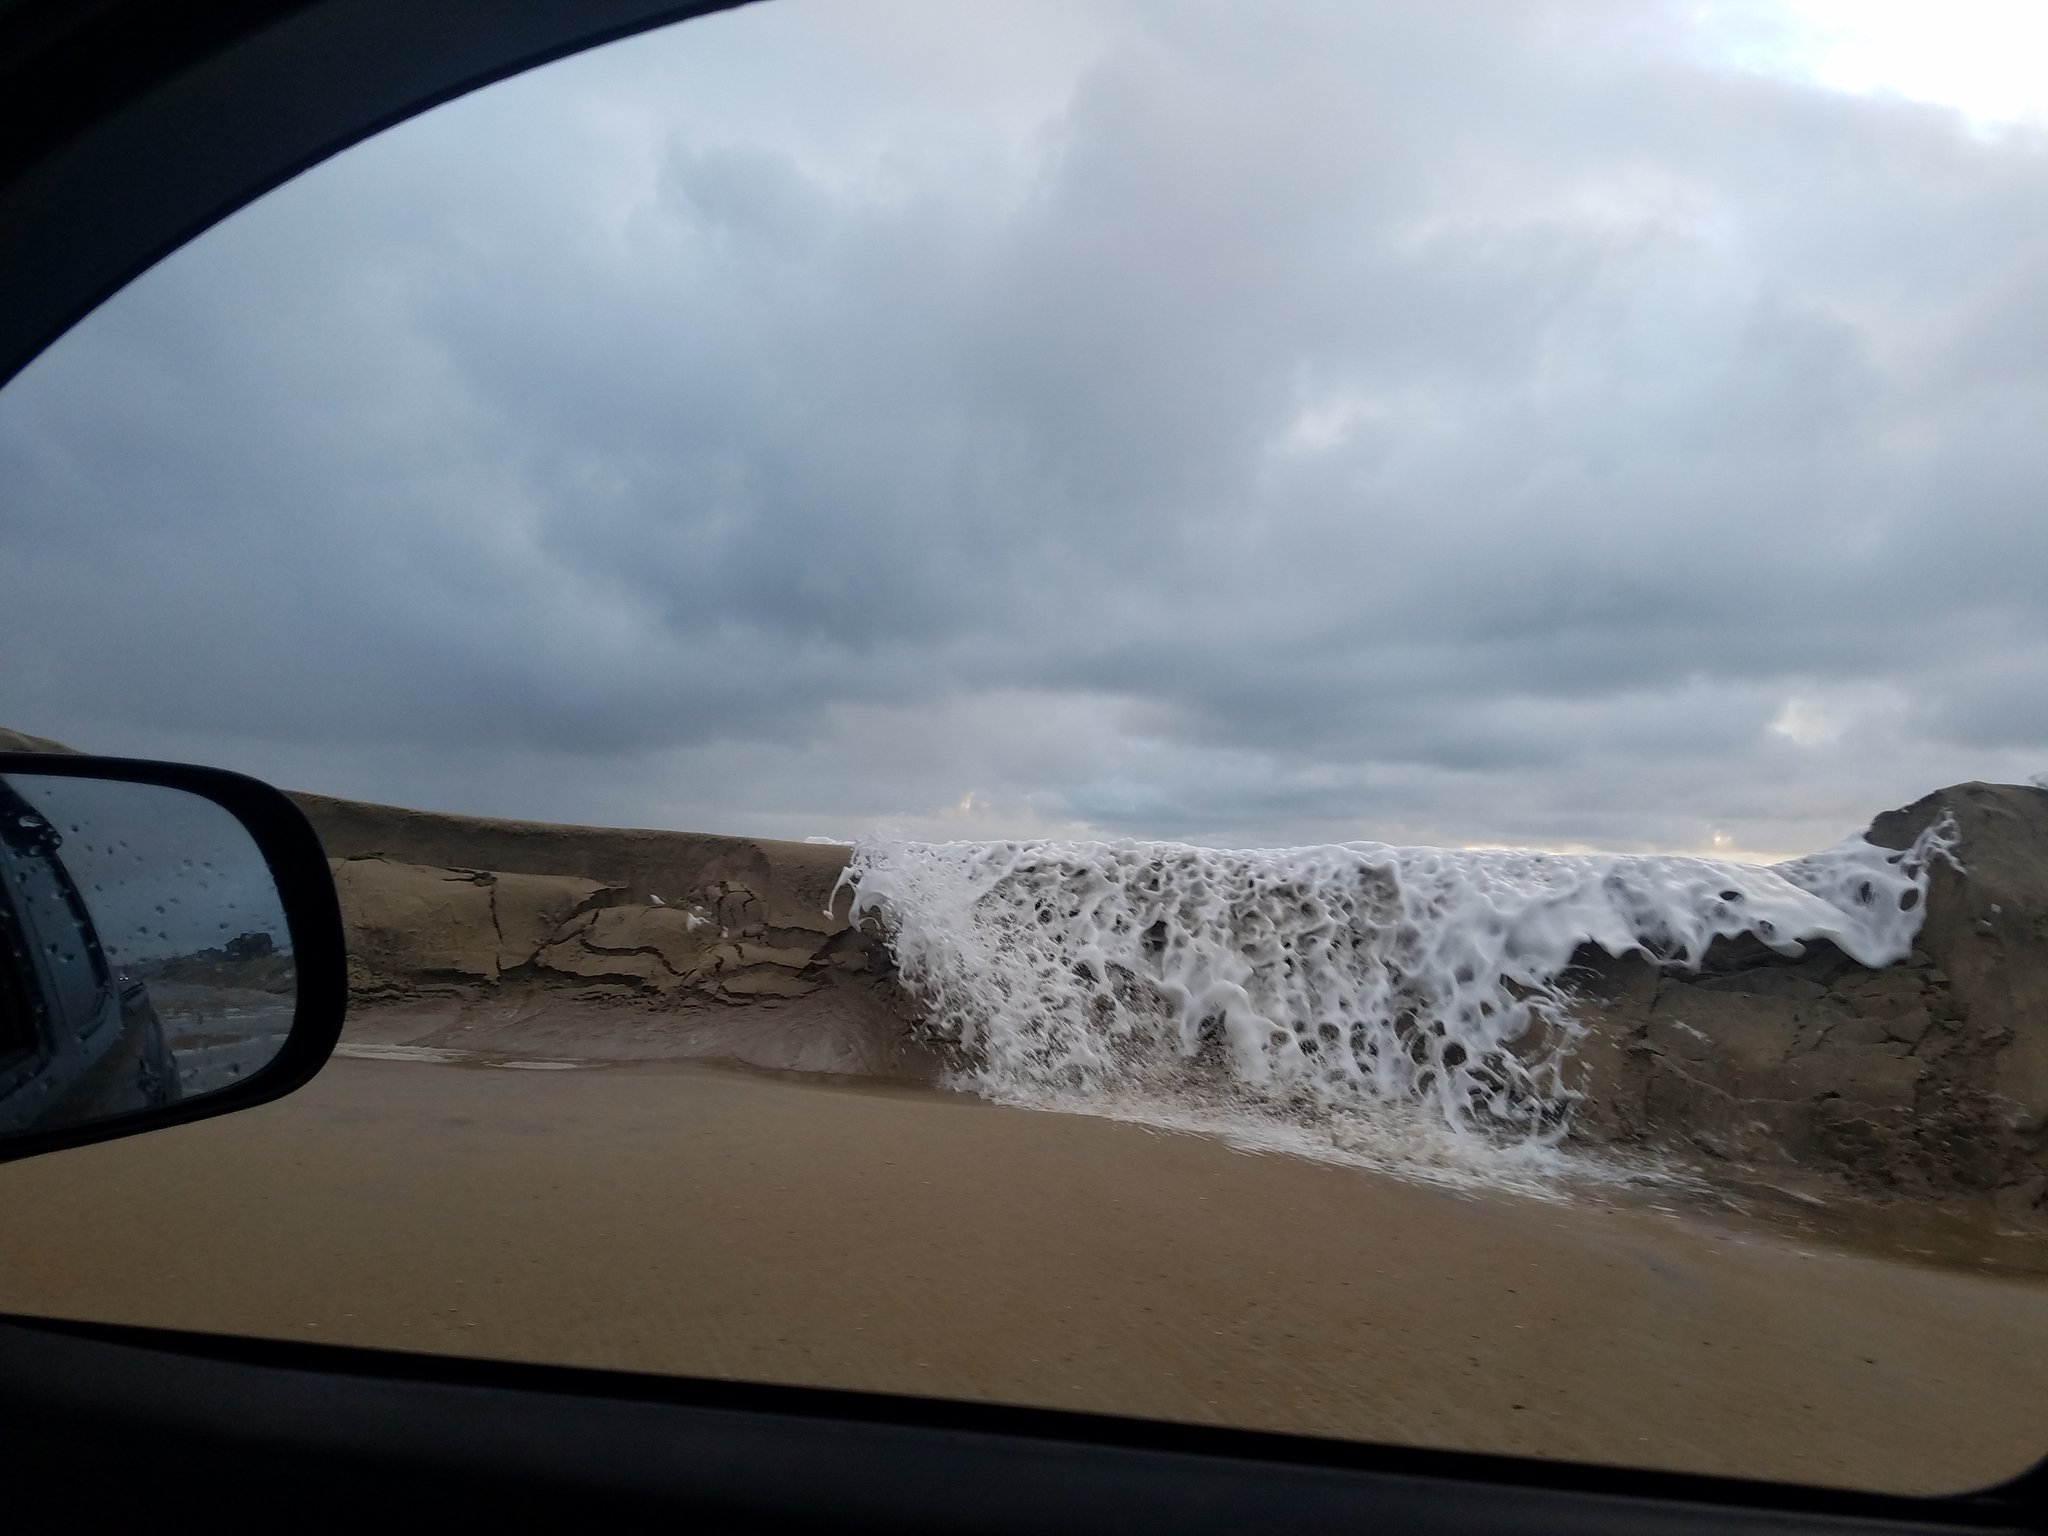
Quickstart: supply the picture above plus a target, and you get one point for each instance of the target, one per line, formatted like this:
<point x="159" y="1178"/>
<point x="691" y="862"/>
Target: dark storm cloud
<point x="1471" y="422"/>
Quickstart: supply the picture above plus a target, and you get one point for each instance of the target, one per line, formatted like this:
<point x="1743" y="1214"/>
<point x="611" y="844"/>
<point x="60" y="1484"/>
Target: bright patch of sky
<point x="1987" y="59"/>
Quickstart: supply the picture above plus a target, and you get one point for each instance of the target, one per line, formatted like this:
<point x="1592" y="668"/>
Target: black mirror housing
<point x="90" y="930"/>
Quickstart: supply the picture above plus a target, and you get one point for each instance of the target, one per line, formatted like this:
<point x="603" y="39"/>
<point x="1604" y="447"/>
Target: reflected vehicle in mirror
<point x="78" y="1040"/>
<point x="156" y="923"/>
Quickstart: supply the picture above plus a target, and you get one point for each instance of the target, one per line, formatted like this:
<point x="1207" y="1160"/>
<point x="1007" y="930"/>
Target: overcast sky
<point x="1573" y="423"/>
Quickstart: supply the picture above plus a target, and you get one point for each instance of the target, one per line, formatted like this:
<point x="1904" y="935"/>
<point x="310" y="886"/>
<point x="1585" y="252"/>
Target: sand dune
<point x="1925" y="1081"/>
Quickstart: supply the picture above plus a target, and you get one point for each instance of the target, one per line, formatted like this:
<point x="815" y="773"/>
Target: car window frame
<point x="128" y="135"/>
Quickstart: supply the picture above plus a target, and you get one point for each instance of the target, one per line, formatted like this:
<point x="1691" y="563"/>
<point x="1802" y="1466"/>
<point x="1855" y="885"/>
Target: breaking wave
<point x="1396" y="1006"/>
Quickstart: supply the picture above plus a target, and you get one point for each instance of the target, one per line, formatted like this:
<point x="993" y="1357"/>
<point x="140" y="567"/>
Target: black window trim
<point x="131" y="126"/>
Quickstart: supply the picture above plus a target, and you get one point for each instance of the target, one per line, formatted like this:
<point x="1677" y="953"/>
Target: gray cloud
<point x="1469" y="423"/>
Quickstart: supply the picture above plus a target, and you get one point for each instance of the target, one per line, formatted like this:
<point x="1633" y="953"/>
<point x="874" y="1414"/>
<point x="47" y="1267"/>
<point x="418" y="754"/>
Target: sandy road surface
<point x="706" y="1221"/>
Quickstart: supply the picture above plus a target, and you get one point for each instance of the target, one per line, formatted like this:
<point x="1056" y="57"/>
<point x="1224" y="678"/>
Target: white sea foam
<point x="1399" y="1006"/>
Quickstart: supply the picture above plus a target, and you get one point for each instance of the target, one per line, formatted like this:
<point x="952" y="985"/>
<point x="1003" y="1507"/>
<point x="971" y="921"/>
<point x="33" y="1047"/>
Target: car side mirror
<point x="170" y="948"/>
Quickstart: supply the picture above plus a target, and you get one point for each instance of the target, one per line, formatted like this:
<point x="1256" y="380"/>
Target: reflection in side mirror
<point x="151" y="948"/>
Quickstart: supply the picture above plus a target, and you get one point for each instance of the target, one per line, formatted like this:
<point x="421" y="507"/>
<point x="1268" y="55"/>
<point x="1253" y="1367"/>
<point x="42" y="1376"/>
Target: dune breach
<point x="1875" y="1016"/>
<point x="1924" y="1075"/>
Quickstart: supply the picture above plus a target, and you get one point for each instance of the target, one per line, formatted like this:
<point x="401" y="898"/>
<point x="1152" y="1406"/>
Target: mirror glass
<point x="144" y="955"/>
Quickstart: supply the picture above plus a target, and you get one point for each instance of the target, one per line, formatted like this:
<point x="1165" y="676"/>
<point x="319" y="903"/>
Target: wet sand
<point x="707" y="1221"/>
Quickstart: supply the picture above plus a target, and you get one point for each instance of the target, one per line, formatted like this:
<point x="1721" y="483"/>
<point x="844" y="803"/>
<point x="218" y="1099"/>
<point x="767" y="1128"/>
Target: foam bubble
<point x="1358" y="989"/>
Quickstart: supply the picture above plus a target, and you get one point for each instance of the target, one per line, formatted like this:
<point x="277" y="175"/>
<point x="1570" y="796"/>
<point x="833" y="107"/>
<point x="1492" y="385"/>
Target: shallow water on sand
<point x="705" y="1221"/>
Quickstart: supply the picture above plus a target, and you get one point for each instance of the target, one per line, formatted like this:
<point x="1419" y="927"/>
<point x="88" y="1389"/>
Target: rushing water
<point x="1399" y="1005"/>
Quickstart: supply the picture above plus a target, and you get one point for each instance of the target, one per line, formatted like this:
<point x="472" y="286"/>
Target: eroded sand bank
<point x="678" y="1218"/>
